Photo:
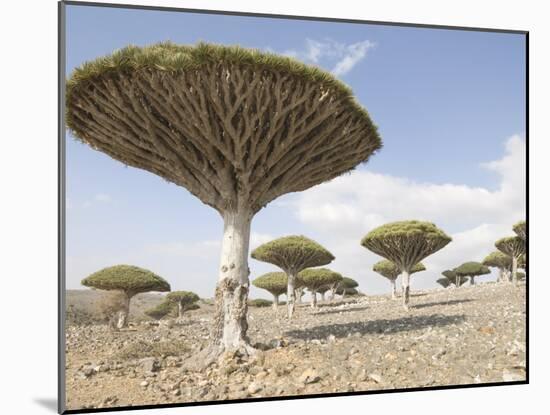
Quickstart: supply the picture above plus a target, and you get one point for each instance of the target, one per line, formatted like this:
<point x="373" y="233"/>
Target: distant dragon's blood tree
<point x="182" y="300"/>
<point x="128" y="279"/>
<point x="161" y="310"/>
<point x="520" y="229"/>
<point x="275" y="283"/>
<point x="317" y="278"/>
<point x="444" y="282"/>
<point x="514" y="247"/>
<point x="500" y="261"/>
<point x="346" y="286"/>
<point x="406" y="243"/>
<point x="391" y="271"/>
<point x="293" y="254"/>
<point x="236" y="127"/>
<point x="453" y="278"/>
<point x="471" y="269"/>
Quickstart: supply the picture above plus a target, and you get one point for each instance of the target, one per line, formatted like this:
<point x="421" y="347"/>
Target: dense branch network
<point x="231" y="126"/>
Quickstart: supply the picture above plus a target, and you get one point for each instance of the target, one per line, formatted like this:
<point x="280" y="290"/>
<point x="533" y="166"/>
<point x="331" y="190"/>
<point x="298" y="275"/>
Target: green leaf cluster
<point x="259" y="302"/>
<point x="171" y="58"/>
<point x="315" y="278"/>
<point x="513" y="246"/>
<point x="128" y="278"/>
<point x="182" y="297"/>
<point x="471" y="269"/>
<point x="293" y="253"/>
<point x="498" y="259"/>
<point x="273" y="282"/>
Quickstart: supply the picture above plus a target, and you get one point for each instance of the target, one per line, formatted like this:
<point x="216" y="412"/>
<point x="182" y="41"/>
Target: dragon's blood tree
<point x="444" y="282"/>
<point x="471" y="269"/>
<point x="405" y="243"/>
<point x="347" y="285"/>
<point x="236" y="127"/>
<point x="182" y="300"/>
<point x="293" y="254"/>
<point x="161" y="310"/>
<point x="129" y="280"/>
<point x="315" y="279"/>
<point x="520" y="229"/>
<point x="275" y="283"/>
<point x="514" y="247"/>
<point x="391" y="271"/>
<point x="453" y="278"/>
<point x="500" y="261"/>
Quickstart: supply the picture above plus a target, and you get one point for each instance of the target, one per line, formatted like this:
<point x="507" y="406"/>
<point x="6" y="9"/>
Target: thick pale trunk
<point x="472" y="280"/>
<point x="313" y="299"/>
<point x="323" y="296"/>
<point x="393" y="290"/>
<point x="122" y="319"/>
<point x="291" y="294"/>
<point x="275" y="301"/>
<point x="180" y="310"/>
<point x="230" y="323"/>
<point x="500" y="275"/>
<point x="343" y="293"/>
<point x="515" y="270"/>
<point x="457" y="282"/>
<point x="406" y="289"/>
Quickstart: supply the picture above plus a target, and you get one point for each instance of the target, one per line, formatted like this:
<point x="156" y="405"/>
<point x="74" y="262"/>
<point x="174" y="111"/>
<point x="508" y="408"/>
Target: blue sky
<point x="446" y="102"/>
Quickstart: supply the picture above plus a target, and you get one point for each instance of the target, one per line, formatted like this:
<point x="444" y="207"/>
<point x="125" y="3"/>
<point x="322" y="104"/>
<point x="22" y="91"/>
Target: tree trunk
<point x="180" y="310"/>
<point x="457" y="281"/>
<point x="291" y="294"/>
<point x="122" y="320"/>
<point x="500" y="275"/>
<point x="515" y="270"/>
<point x="323" y="296"/>
<point x="298" y="294"/>
<point x="343" y="293"/>
<point x="313" y="299"/>
<point x="332" y="292"/>
<point x="393" y="290"/>
<point x="472" y="280"/>
<point x="406" y="289"/>
<point x="275" y="301"/>
<point x="230" y="319"/>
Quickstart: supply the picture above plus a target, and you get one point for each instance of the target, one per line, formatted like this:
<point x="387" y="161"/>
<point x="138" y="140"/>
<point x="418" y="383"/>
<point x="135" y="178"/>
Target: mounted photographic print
<point x="261" y="207"/>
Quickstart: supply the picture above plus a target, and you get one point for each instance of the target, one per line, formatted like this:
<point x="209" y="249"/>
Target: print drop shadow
<point x="381" y="326"/>
<point x="48" y="403"/>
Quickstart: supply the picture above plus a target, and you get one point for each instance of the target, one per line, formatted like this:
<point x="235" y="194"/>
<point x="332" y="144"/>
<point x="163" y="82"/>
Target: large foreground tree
<point x="406" y="243"/>
<point x="293" y="254"/>
<point x="275" y="283"/>
<point x="514" y="247"/>
<point x="128" y="279"/>
<point x="471" y="269"/>
<point x="316" y="279"/>
<point x="500" y="261"/>
<point x="236" y="127"/>
<point x="391" y="271"/>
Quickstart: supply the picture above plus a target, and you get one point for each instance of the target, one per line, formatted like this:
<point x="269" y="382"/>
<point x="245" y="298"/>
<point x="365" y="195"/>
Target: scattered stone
<point x="309" y="376"/>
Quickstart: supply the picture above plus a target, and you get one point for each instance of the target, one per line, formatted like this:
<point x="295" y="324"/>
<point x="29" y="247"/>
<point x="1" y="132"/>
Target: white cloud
<point x="103" y="198"/>
<point x="341" y="58"/>
<point x="345" y="209"/>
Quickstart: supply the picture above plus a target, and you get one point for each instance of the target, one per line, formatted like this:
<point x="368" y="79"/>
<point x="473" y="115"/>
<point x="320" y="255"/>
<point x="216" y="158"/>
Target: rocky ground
<point x="449" y="337"/>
